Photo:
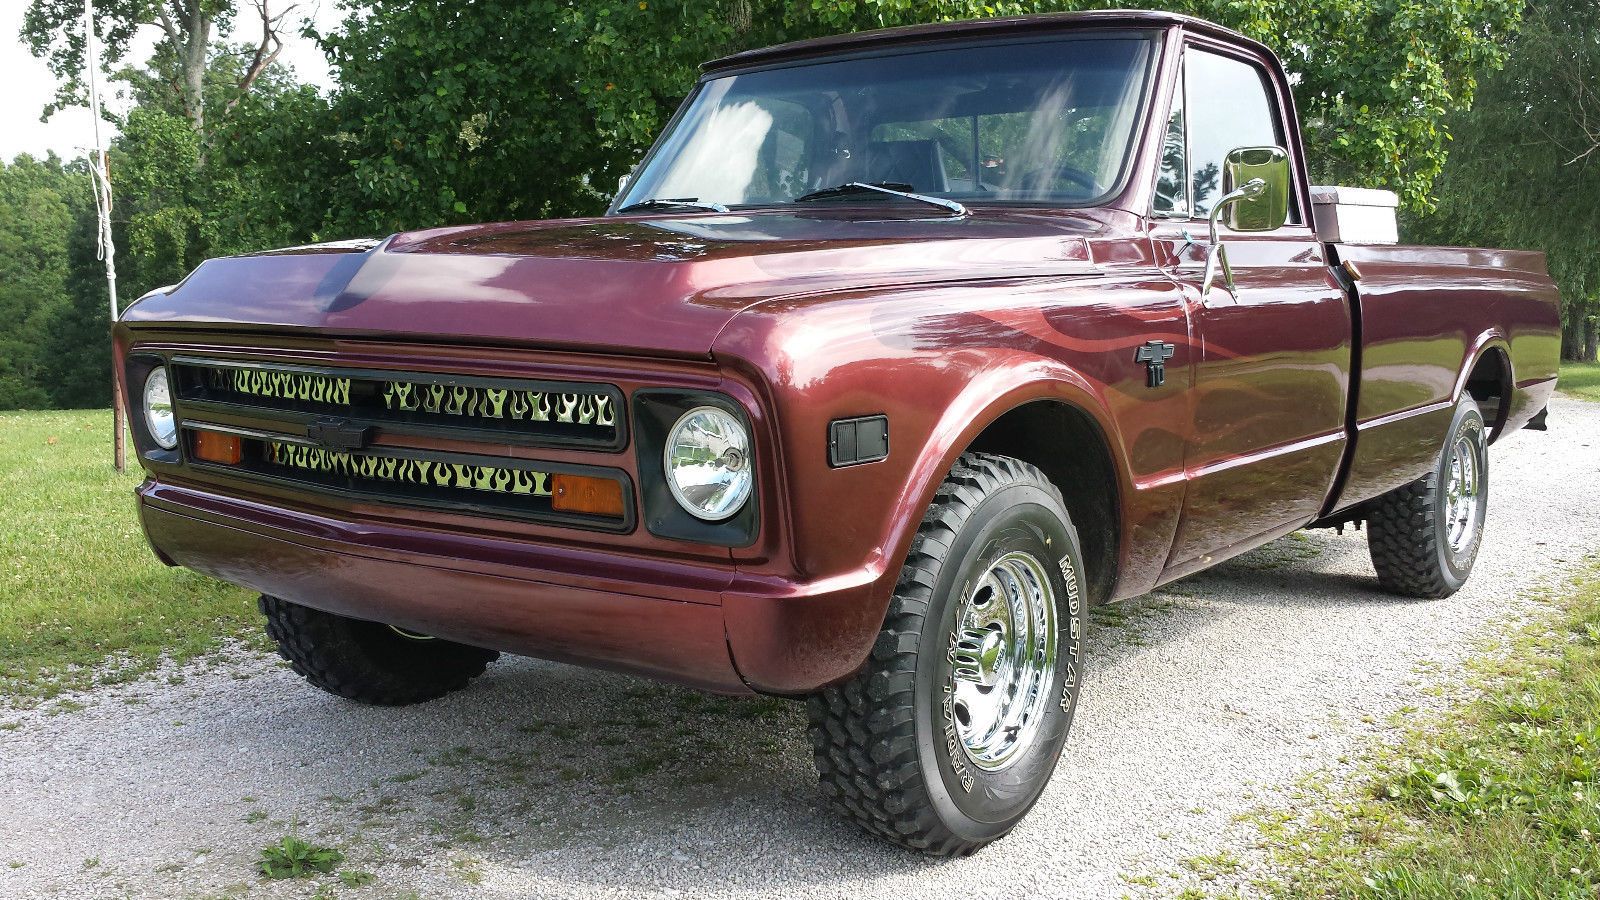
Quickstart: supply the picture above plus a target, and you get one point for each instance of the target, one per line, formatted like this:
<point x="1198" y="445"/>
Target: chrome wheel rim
<point x="1463" y="487"/>
<point x="1004" y="657"/>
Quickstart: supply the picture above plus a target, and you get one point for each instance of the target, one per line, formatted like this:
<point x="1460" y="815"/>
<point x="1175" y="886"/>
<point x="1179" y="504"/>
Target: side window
<point x="1172" y="194"/>
<point x="1229" y="107"/>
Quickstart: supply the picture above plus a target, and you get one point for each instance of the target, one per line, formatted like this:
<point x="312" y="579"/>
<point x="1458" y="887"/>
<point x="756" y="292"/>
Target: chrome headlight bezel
<point x="155" y="400"/>
<point x="716" y="444"/>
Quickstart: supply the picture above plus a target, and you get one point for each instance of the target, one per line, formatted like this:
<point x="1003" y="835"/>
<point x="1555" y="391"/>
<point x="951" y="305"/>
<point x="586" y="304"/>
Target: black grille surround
<point x="498" y="486"/>
<point x="498" y="410"/>
<point x="310" y="429"/>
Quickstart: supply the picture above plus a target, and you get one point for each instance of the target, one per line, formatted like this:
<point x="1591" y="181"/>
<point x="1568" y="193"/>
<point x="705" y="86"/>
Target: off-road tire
<point x="369" y="662"/>
<point x="1407" y="527"/>
<point x="883" y="757"/>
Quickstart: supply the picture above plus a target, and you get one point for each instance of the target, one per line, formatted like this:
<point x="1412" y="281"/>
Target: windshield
<point x="1042" y="122"/>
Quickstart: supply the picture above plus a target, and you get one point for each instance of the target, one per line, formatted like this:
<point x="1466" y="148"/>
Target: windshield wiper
<point x="892" y="188"/>
<point x="673" y="203"/>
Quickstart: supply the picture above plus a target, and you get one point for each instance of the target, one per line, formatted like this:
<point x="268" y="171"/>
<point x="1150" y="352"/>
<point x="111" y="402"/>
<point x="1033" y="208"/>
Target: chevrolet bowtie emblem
<point x="1154" y="354"/>
<point x="338" y="434"/>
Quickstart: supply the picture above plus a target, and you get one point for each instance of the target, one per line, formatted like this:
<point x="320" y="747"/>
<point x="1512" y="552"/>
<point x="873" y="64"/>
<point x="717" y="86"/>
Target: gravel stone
<point x="1203" y="701"/>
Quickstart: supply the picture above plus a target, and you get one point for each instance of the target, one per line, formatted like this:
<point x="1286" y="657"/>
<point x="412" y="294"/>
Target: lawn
<point x="1580" y="380"/>
<point x="1498" y="797"/>
<point x="82" y="598"/>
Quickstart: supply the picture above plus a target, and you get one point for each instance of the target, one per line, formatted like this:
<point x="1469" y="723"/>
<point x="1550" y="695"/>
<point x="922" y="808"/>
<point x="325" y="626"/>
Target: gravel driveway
<point x="1203" y="700"/>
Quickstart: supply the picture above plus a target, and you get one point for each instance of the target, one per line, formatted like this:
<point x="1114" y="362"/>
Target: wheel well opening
<point x="1490" y="385"/>
<point x="1068" y="446"/>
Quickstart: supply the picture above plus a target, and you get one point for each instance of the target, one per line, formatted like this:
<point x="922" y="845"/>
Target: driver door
<point x="1272" y="378"/>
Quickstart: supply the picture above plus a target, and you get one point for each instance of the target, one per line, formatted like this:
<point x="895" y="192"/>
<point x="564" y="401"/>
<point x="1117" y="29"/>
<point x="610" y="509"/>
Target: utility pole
<point x="100" y="169"/>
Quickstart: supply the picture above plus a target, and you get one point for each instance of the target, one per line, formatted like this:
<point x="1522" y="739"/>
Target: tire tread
<point x="328" y="651"/>
<point x="863" y="731"/>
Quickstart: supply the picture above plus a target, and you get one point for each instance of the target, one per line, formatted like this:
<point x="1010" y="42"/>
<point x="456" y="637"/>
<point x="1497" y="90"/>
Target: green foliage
<point x="442" y="119"/>
<point x="502" y="109"/>
<point x="77" y="348"/>
<point x="292" y="857"/>
<point x="1525" y="168"/>
<point x="450" y="112"/>
<point x="53" y="31"/>
<point x="186" y="73"/>
<point x="40" y="203"/>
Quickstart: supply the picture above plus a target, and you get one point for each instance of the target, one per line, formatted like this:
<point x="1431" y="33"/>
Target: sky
<point x="26" y="85"/>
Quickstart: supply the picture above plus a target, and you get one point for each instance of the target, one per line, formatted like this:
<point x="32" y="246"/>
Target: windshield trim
<point x="1131" y="151"/>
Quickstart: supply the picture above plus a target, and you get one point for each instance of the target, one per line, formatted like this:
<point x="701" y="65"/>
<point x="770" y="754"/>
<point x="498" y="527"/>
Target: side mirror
<point x="1269" y="209"/>
<point x="1260" y="202"/>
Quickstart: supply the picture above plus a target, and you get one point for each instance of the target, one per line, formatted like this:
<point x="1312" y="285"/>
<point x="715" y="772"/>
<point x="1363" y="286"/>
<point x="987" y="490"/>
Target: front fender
<point x="793" y="635"/>
<point x="942" y="364"/>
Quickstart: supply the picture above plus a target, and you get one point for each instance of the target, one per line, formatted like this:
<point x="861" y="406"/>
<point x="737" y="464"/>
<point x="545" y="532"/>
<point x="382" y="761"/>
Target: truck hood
<point x="659" y="285"/>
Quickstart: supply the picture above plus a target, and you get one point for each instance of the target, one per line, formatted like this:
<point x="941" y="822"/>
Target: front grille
<point x="537" y="413"/>
<point x="490" y="485"/>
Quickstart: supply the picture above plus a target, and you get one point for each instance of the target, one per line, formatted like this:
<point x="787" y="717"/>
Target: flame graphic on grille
<point x="286" y="385"/>
<point x="500" y="403"/>
<point x="413" y="471"/>
<point x="510" y="404"/>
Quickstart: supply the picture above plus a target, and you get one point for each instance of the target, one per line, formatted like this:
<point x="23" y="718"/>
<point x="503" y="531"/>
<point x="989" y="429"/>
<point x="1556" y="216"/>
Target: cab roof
<point x="1000" y="26"/>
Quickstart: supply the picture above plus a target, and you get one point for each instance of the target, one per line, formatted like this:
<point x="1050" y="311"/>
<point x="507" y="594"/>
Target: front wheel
<point x="949" y="734"/>
<point x="1424" y="536"/>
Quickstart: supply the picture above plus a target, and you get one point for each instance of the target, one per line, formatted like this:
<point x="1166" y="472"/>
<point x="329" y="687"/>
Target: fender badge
<point x="1154" y="355"/>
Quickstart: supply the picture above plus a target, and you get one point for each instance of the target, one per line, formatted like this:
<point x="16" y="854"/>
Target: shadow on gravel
<point x="557" y="773"/>
<point x="544" y="779"/>
<point x="562" y="773"/>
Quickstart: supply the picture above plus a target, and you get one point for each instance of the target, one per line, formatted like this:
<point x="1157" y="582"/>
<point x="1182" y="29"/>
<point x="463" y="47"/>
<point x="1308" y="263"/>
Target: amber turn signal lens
<point x="215" y="447"/>
<point x="582" y="494"/>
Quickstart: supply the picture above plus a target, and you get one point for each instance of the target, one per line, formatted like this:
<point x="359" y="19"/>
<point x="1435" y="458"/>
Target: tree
<point x="76" y="348"/>
<point x="183" y="57"/>
<point x="1525" y="169"/>
<point x="39" y="200"/>
<point x="450" y="112"/>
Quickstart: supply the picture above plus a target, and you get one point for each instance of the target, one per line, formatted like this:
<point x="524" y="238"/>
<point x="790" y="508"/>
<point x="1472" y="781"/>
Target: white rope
<point x="99" y="167"/>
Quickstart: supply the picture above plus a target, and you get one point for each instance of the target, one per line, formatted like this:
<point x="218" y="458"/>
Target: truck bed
<point x="1423" y="315"/>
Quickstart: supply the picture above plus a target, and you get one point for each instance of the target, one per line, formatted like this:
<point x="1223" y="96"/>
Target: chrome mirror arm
<point x="1218" y="253"/>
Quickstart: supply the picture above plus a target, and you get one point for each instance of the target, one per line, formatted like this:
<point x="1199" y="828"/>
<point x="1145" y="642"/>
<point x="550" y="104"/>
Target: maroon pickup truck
<point x="898" y="352"/>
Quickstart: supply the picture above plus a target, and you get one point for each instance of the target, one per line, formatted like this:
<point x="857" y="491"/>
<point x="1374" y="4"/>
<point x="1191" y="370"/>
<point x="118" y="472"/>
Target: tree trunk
<point x="1572" y="333"/>
<point x="194" y="66"/>
<point x="1591" y="339"/>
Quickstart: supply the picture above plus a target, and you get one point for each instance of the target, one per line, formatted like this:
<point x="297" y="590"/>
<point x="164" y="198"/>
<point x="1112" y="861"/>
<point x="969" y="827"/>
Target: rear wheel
<point x="369" y="662"/>
<point x="947" y="737"/>
<point x="1424" y="537"/>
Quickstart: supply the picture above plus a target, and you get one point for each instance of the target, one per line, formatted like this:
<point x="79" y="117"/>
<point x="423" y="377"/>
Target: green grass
<point x="1581" y="380"/>
<point x="82" y="599"/>
<point x="1498" y="797"/>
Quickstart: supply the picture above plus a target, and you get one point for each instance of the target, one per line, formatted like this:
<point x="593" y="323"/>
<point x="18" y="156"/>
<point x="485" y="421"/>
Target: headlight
<point x="158" y="417"/>
<point x="708" y="463"/>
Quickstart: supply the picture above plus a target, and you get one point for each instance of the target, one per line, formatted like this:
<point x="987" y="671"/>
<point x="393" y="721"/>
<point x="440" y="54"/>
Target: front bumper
<point x="703" y="626"/>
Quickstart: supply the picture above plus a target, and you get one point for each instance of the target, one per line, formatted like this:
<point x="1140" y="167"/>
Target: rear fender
<point x="1492" y="340"/>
